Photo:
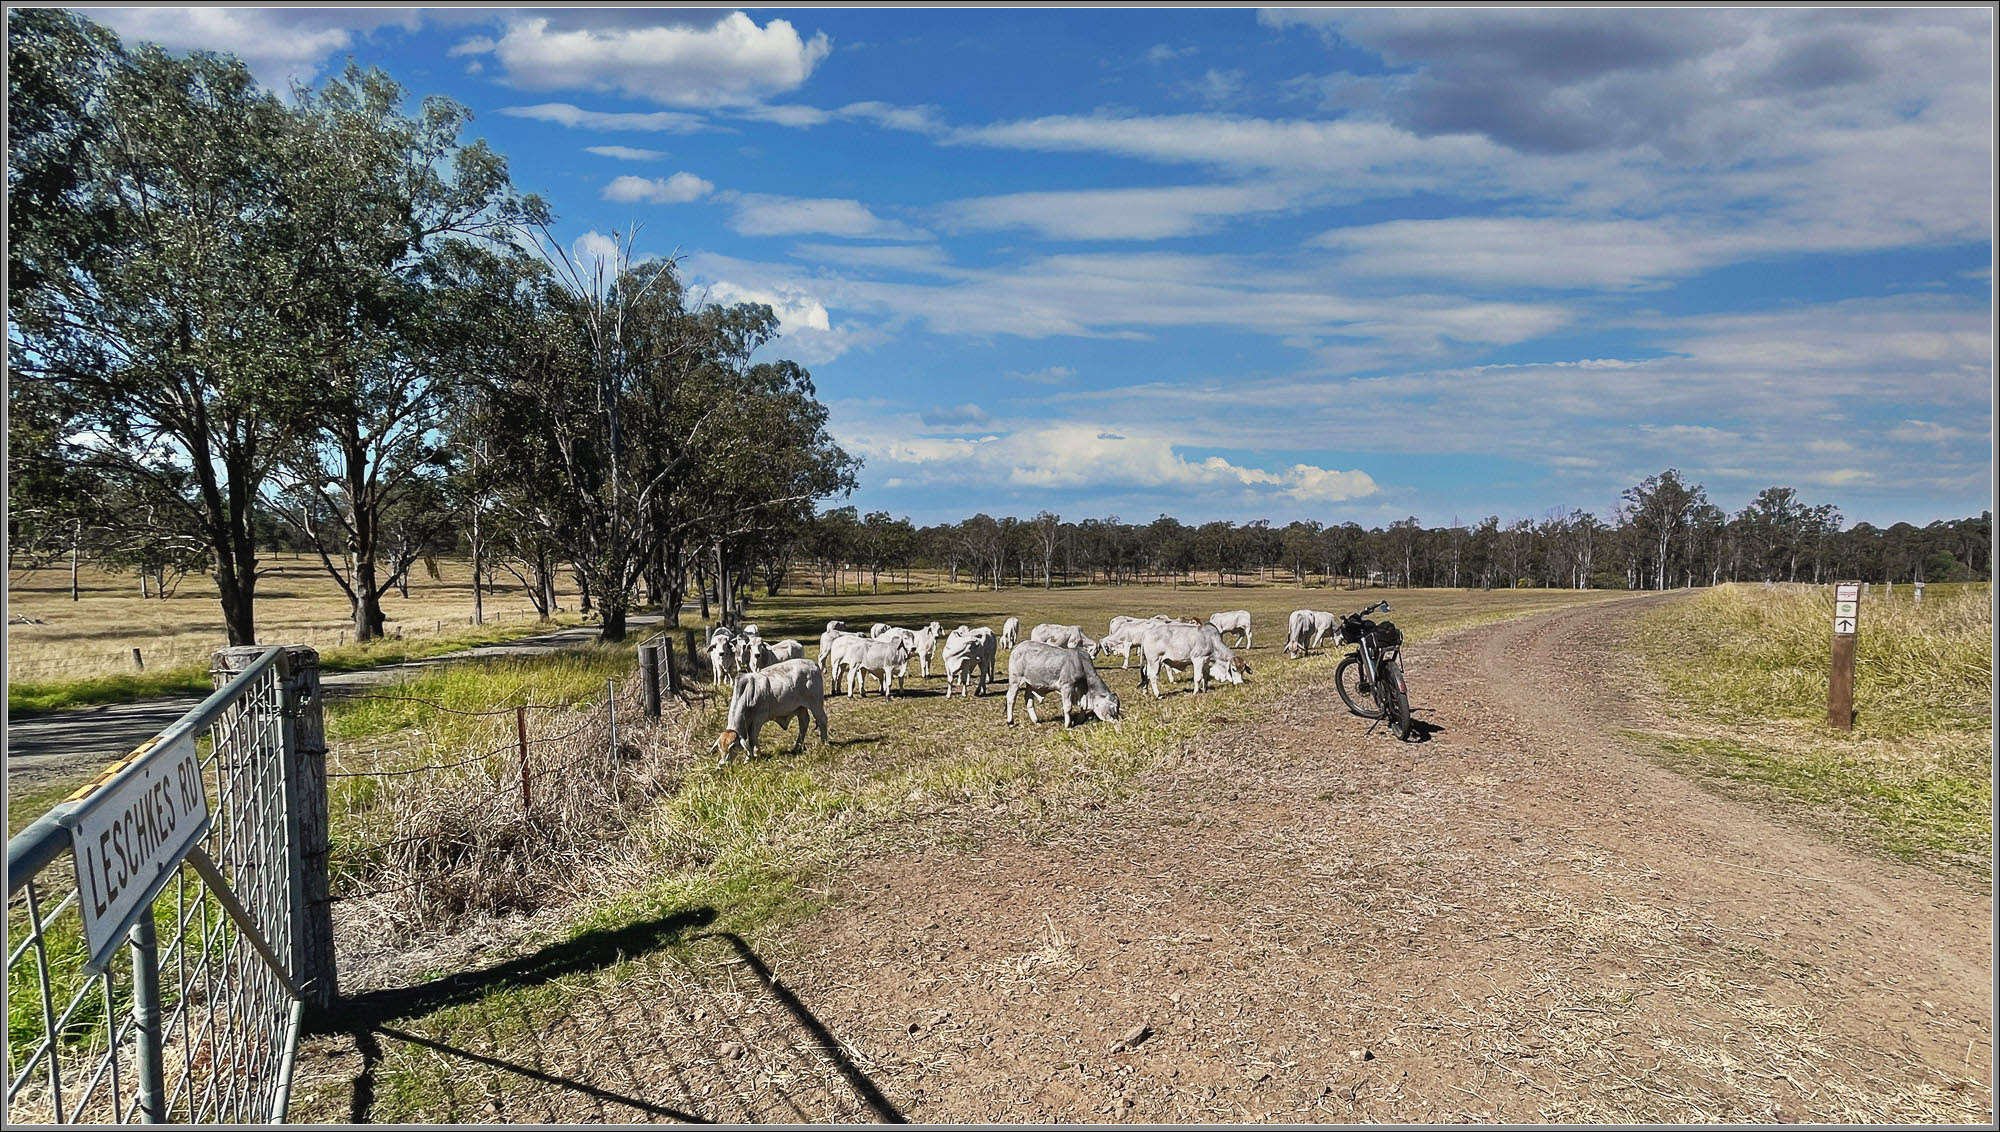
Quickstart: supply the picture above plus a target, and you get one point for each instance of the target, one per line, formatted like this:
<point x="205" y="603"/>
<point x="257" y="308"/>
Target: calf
<point x="787" y="690"/>
<point x="1010" y="632"/>
<point x="1039" y="669"/>
<point x="1299" y="635"/>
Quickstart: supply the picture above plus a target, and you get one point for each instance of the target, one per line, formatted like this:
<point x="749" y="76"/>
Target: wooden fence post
<point x="138" y="662"/>
<point x="521" y="737"/>
<point x="672" y="669"/>
<point x="649" y="680"/>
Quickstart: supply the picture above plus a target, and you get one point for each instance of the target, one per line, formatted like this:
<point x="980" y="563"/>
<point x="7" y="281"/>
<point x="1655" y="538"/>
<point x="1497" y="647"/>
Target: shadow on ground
<point x="677" y="1036"/>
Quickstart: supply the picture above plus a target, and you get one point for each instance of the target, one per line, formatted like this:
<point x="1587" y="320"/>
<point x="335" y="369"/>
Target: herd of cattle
<point x="772" y="682"/>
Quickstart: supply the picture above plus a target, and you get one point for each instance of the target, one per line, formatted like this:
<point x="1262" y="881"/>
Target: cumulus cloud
<point x="677" y="189"/>
<point x="807" y="332"/>
<point x="761" y="214"/>
<point x="279" y="45"/>
<point x="731" y="62"/>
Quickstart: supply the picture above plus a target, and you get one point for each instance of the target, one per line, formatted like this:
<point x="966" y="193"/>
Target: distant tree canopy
<point x="1668" y="534"/>
<point x="237" y="321"/>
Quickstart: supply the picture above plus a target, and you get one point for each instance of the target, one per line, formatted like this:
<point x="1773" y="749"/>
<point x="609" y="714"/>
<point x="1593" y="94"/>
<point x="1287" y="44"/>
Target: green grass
<point x="918" y="773"/>
<point x="29" y="698"/>
<point x="1746" y="669"/>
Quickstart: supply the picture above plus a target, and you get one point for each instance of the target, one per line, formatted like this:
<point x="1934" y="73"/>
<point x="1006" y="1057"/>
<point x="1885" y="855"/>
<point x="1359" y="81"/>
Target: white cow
<point x="863" y="657"/>
<point x="1233" y="621"/>
<point x="787" y="690"/>
<point x="967" y="651"/>
<point x="1065" y="636"/>
<point x="1190" y="646"/>
<point x="1039" y="669"/>
<point x="1010" y="632"/>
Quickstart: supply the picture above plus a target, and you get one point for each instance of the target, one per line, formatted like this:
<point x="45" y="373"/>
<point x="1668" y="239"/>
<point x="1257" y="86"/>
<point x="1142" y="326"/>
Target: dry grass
<point x="296" y="603"/>
<point x="1745" y="668"/>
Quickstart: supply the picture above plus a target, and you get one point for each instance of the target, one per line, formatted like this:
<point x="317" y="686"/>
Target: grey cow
<point x="1040" y="669"/>
<point x="1233" y="621"/>
<point x="787" y="690"/>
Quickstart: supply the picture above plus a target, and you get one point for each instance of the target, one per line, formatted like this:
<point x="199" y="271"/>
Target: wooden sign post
<point x="1840" y="679"/>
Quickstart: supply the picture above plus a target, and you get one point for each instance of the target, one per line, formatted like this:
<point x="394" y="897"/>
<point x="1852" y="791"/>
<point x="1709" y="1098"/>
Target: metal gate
<point x="159" y="979"/>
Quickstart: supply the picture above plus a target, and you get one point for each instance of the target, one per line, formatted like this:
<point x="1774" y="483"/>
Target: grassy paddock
<point x="81" y="652"/>
<point x="1748" y="667"/>
<point x="919" y="772"/>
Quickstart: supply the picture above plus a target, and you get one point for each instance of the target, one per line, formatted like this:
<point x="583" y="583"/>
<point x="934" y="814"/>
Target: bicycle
<point x="1370" y="679"/>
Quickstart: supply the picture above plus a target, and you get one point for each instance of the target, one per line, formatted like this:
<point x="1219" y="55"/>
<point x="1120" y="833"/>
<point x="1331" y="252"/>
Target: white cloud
<point x="760" y="214"/>
<point x="576" y="118"/>
<point x="914" y="119"/>
<point x="1090" y="457"/>
<point x="277" y="44"/>
<point x="732" y="62"/>
<point x="1161" y="53"/>
<point x="807" y="332"/>
<point x="1216" y="86"/>
<point x="677" y="189"/>
<point x="625" y="152"/>
<point x="1119" y="214"/>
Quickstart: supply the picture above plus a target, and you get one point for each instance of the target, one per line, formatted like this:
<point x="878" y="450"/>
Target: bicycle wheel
<point x="1347" y="681"/>
<point x="1396" y="699"/>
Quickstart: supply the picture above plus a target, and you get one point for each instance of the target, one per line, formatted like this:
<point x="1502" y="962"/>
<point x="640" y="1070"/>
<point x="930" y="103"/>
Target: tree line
<point x="1667" y="533"/>
<point x="236" y="321"/>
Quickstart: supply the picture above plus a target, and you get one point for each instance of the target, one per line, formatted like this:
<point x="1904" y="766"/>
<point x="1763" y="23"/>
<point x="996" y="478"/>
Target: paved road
<point x="68" y="743"/>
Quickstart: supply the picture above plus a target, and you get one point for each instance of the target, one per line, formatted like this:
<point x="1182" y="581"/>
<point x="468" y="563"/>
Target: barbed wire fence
<point x="502" y="810"/>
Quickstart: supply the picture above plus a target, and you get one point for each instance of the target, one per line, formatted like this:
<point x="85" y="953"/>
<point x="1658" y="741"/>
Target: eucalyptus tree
<point x="153" y="277"/>
<point x="376" y="200"/>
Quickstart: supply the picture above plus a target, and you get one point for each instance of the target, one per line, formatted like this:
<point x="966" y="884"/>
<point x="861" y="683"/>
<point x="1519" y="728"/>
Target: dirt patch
<point x="1520" y="920"/>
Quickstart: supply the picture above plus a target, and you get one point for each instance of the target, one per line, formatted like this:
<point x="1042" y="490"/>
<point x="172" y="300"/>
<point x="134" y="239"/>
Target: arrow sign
<point x="1843" y="624"/>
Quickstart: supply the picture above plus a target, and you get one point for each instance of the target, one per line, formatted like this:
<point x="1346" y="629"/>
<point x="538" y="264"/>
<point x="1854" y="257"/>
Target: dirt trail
<point x="1520" y="920"/>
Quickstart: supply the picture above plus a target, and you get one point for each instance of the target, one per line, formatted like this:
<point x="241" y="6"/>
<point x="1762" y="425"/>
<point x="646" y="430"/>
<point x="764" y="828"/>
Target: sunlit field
<point x="297" y="603"/>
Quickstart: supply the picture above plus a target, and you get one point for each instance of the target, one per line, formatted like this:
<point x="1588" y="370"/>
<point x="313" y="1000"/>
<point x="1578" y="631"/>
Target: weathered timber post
<point x="303" y="760"/>
<point x="1840" y="676"/>
<point x="649" y="680"/>
<point x="138" y="662"/>
<point x="672" y="670"/>
<point x="521" y="737"/>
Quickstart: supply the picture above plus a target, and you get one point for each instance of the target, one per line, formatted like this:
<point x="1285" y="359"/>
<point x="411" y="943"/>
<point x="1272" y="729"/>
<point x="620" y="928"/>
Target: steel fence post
<point x="146" y="1020"/>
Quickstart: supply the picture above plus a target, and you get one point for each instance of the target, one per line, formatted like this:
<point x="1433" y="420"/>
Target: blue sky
<point x="1333" y="264"/>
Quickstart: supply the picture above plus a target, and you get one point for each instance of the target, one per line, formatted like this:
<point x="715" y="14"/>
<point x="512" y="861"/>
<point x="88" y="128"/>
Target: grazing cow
<point x="826" y="640"/>
<point x="1324" y="625"/>
<point x="1065" y="636"/>
<point x="787" y="690"/>
<point x="967" y="651"/>
<point x="1233" y="621"/>
<point x="1010" y="632"/>
<point x="1299" y="633"/>
<point x="1039" y="669"/>
<point x="1190" y="646"/>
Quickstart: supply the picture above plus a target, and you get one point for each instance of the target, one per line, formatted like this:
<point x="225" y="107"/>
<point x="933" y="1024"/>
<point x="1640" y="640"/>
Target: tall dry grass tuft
<point x="419" y="855"/>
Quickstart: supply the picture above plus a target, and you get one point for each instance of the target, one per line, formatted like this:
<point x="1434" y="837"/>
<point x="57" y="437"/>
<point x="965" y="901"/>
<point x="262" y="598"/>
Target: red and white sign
<point x="1846" y="608"/>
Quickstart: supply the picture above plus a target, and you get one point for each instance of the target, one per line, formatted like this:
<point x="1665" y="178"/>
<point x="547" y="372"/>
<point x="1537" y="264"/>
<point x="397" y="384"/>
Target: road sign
<point x="134" y="823"/>
<point x="1847" y="591"/>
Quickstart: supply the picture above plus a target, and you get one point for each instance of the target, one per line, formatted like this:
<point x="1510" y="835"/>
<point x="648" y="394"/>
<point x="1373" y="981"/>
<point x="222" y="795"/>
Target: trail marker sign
<point x="1840" y="675"/>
